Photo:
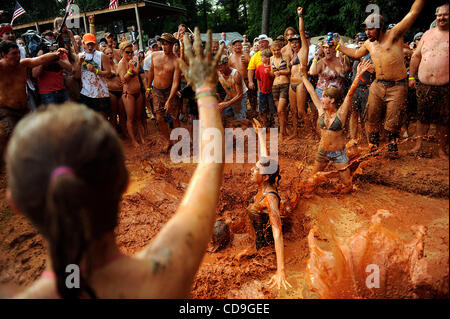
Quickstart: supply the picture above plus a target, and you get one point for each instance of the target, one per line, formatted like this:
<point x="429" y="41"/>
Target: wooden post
<point x="37" y="26"/>
<point x="141" y="41"/>
<point x="86" y="30"/>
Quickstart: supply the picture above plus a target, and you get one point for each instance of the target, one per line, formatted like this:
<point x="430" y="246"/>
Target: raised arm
<point x="400" y="28"/>
<point x="363" y="66"/>
<point x="262" y="146"/>
<point x="304" y="50"/>
<point x="91" y="20"/>
<point x="313" y="94"/>
<point x="179" y="247"/>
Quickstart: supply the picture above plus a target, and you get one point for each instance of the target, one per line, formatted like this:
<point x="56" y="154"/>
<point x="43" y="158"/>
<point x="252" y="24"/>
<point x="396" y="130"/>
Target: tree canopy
<point x="245" y="16"/>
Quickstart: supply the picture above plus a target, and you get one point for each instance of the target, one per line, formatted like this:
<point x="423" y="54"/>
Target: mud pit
<point x="414" y="191"/>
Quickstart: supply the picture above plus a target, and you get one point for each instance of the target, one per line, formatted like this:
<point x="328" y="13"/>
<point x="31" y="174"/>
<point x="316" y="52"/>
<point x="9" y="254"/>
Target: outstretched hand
<point x="256" y="125"/>
<point x="279" y="279"/>
<point x="202" y="68"/>
<point x="363" y="66"/>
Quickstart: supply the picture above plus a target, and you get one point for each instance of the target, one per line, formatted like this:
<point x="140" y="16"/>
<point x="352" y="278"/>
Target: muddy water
<point x="414" y="191"/>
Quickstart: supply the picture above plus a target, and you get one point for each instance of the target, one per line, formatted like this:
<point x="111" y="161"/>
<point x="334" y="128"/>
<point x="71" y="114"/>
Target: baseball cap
<point x="418" y="36"/>
<point x="152" y="42"/>
<point x="236" y="40"/>
<point x="102" y="40"/>
<point x="108" y="35"/>
<point x="295" y="37"/>
<point x="89" y="38"/>
<point x="362" y="37"/>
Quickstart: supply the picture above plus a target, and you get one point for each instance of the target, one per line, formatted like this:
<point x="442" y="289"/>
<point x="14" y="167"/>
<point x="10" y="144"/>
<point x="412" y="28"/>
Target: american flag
<point x="113" y="4"/>
<point x="18" y="11"/>
<point x="69" y="8"/>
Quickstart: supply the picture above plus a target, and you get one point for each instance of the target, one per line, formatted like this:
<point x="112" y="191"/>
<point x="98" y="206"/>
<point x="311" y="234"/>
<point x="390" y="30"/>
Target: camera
<point x="331" y="36"/>
<point x="35" y="42"/>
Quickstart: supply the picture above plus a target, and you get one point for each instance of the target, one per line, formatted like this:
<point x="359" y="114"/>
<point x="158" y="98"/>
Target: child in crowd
<point x="265" y="81"/>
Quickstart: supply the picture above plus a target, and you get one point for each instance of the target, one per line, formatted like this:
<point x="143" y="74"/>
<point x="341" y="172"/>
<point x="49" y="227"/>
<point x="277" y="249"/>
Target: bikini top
<point x="262" y="197"/>
<point x="335" y="126"/>
<point x="283" y="65"/>
<point x="330" y="77"/>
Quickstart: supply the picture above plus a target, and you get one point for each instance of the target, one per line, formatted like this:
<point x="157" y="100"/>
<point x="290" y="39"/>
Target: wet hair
<point x="74" y="209"/>
<point x="274" y="177"/>
<point x="276" y="44"/>
<point x="267" y="53"/>
<point x="57" y="22"/>
<point x="7" y="45"/>
<point x="287" y="30"/>
<point x="333" y="93"/>
<point x="125" y="44"/>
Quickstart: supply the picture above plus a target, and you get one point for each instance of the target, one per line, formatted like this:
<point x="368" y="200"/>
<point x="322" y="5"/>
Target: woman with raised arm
<point x="264" y="208"/>
<point x="299" y="64"/>
<point x="331" y="122"/>
<point x="66" y="173"/>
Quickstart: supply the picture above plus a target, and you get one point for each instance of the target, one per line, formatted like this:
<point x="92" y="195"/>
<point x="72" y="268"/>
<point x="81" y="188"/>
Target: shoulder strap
<point x="273" y="193"/>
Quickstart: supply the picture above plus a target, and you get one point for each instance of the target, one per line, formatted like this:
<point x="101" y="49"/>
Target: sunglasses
<point x="128" y="52"/>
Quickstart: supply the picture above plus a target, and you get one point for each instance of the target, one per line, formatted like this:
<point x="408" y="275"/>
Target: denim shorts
<point x="265" y="103"/>
<point x="238" y="111"/>
<point x="338" y="157"/>
<point x="57" y="97"/>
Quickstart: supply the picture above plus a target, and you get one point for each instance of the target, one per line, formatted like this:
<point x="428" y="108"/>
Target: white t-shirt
<point x="148" y="62"/>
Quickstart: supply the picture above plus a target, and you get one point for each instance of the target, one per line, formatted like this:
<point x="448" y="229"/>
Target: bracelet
<point x="84" y="63"/>
<point x="315" y="60"/>
<point x="300" y="15"/>
<point x="204" y="91"/>
<point x="130" y="73"/>
<point x="362" y="79"/>
<point x="91" y="25"/>
<point x="337" y="47"/>
<point x="149" y="89"/>
<point x="96" y="71"/>
<point x="208" y="106"/>
<point x="411" y="78"/>
<point x="204" y="94"/>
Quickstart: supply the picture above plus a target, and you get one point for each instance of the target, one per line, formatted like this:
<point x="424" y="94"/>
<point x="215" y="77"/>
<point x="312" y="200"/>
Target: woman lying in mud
<point x="265" y="207"/>
<point x="331" y="123"/>
<point x="66" y="173"/>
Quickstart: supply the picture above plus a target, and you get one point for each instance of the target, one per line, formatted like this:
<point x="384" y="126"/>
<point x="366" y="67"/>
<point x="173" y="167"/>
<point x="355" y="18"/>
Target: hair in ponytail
<point x="274" y="177"/>
<point x="78" y="206"/>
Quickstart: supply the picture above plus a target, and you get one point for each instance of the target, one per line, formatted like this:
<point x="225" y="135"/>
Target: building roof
<point x="147" y="9"/>
<point x="230" y="36"/>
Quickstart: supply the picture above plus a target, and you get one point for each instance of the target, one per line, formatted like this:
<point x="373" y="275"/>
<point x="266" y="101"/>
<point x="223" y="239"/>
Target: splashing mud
<point x="399" y="269"/>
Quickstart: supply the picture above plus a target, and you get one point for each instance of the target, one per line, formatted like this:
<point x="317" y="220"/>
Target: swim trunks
<point x="159" y="101"/>
<point x="432" y="103"/>
<point x="280" y="91"/>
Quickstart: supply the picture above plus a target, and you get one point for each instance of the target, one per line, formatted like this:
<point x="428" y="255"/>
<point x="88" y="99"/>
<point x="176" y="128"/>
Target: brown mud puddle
<point x="415" y="191"/>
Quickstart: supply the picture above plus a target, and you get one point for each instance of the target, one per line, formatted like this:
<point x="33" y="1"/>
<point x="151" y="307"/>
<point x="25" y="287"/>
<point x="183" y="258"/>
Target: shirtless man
<point x="133" y="100"/>
<point x="235" y="104"/>
<point x="389" y="90"/>
<point x="239" y="59"/>
<point x="431" y="59"/>
<point x="13" y="97"/>
<point x="165" y="75"/>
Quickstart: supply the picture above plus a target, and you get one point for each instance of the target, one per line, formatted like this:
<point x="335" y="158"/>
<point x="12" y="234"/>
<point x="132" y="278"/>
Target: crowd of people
<point x="378" y="84"/>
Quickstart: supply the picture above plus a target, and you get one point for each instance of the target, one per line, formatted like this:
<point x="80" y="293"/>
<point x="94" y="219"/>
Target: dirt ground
<point x="415" y="191"/>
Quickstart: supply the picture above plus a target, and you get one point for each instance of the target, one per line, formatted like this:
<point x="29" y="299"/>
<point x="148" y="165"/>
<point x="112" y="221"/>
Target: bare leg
<point x="442" y="131"/>
<point x="281" y="107"/>
<point x="353" y="124"/>
<point x="421" y="129"/>
<point x="130" y="109"/>
<point x="114" y="108"/>
<point x="345" y="175"/>
<point x="140" y="109"/>
<point x="293" y="107"/>
<point x="301" y="96"/>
